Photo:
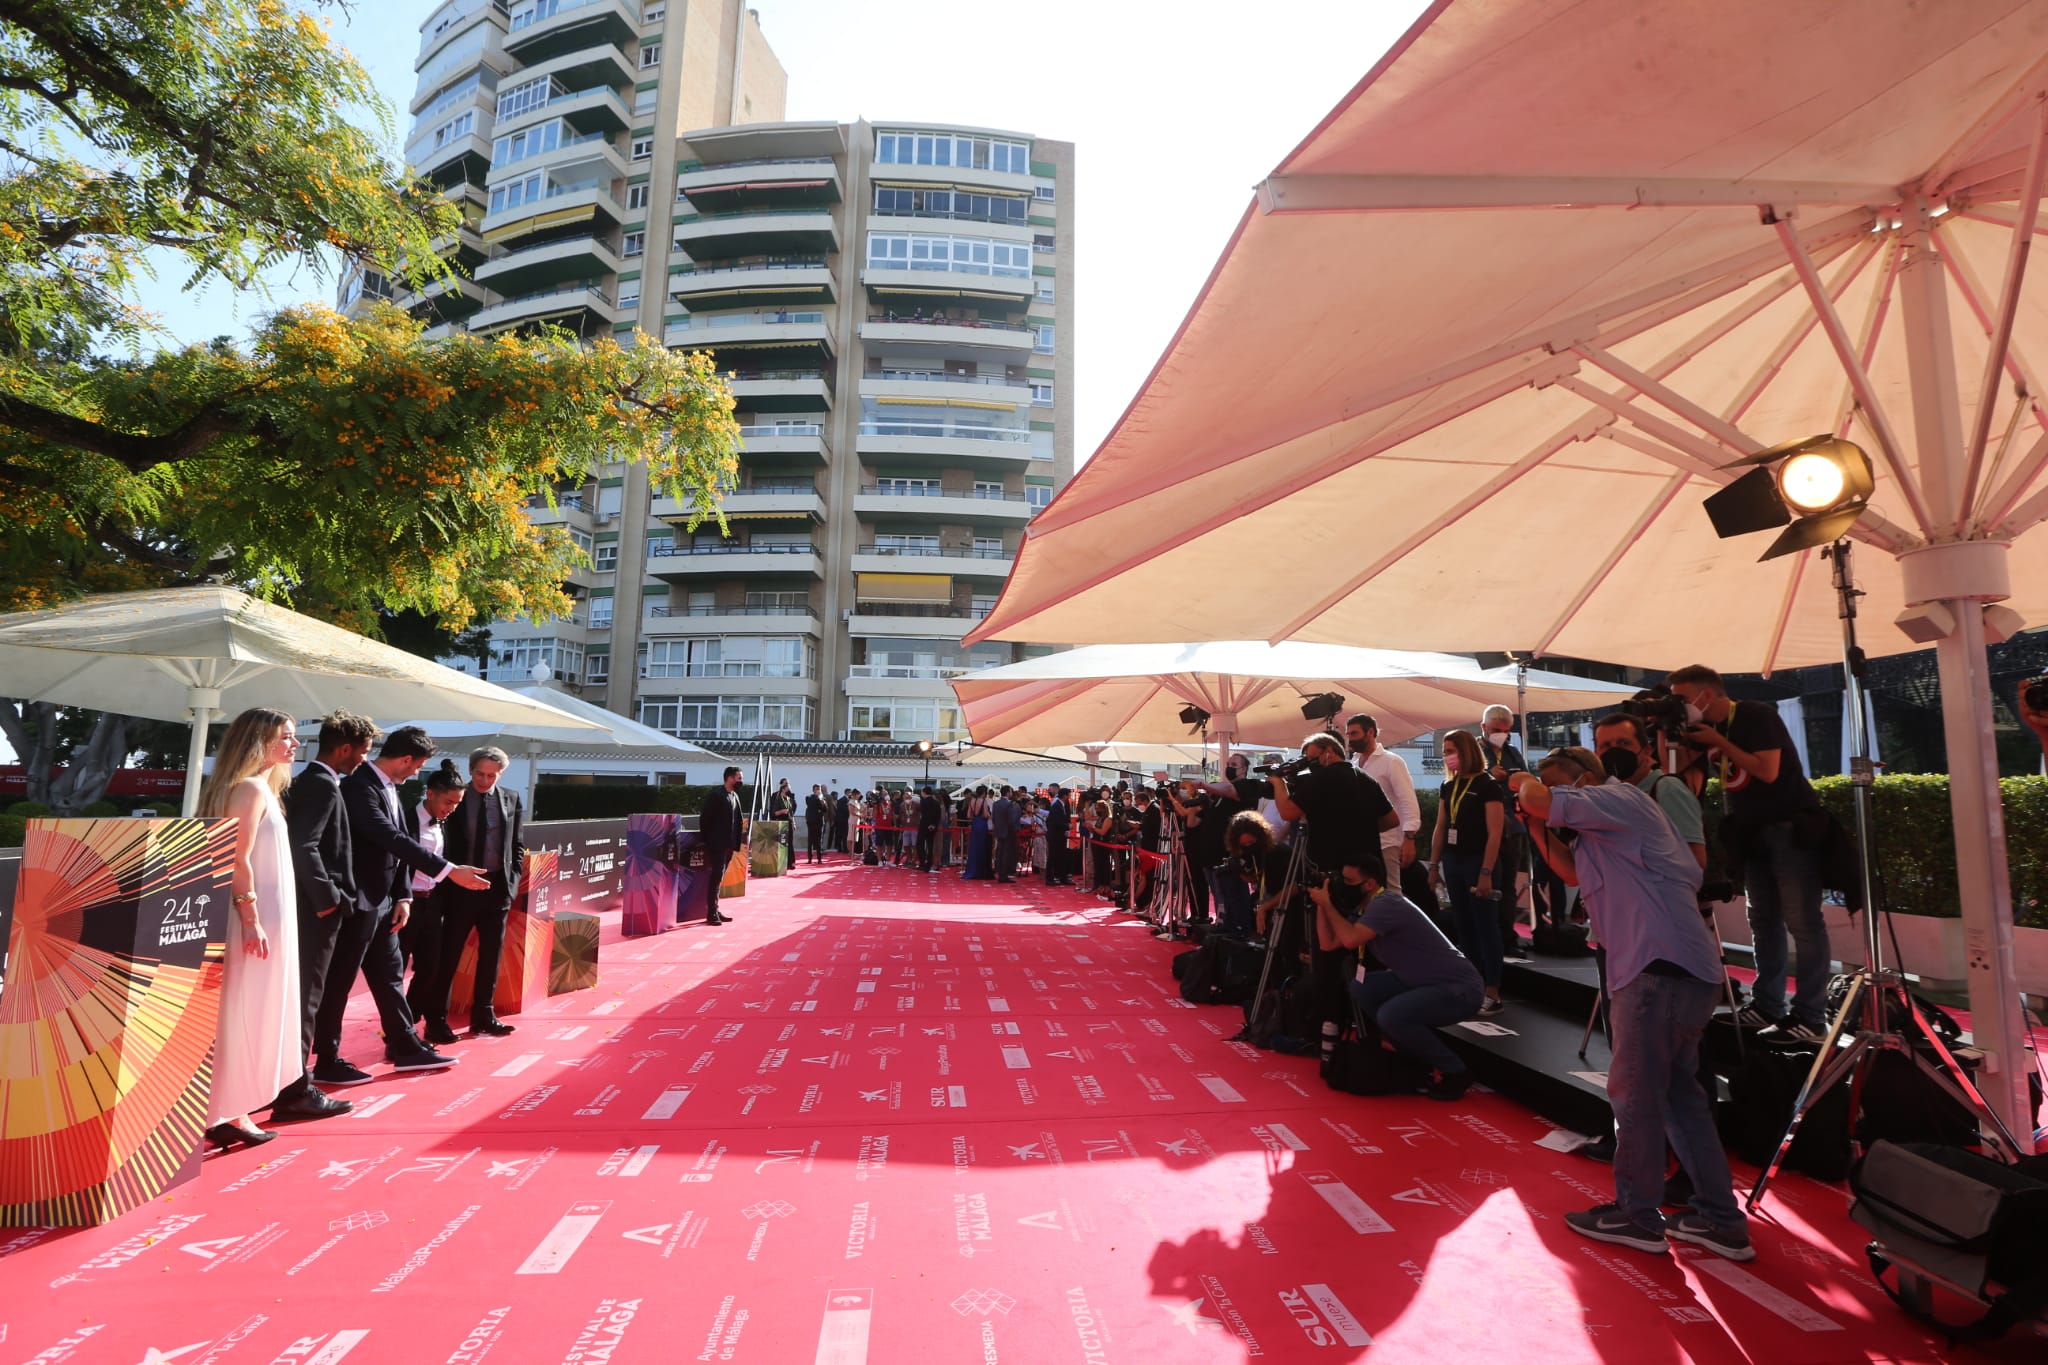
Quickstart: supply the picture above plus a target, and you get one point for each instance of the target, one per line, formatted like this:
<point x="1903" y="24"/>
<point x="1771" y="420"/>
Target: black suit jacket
<point x="814" y="809"/>
<point x="466" y="841"/>
<point x="323" y="856"/>
<point x="384" y="852"/>
<point x="1056" y="824"/>
<point x="719" y="822"/>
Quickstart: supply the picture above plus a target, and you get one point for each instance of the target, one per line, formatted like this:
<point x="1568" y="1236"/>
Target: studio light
<point x="923" y="748"/>
<point x="1194" y="717"/>
<point x="1814" y="488"/>
<point x="1321" y="706"/>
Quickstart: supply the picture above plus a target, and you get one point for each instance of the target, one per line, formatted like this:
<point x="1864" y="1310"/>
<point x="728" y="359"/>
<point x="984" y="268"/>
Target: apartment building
<point x="885" y="298"/>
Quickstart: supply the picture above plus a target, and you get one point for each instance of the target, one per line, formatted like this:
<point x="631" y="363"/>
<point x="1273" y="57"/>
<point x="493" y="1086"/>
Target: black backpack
<point x="1367" y="1066"/>
<point x="1760" y="1094"/>
<point x="1223" y="971"/>
<point x="871" y="858"/>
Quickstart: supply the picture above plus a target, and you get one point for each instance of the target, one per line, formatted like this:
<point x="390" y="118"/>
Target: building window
<point x="529" y="95"/>
<point x="650" y="56"/>
<point x="943" y="149"/>
<point x="601" y="611"/>
<point x="514" y="658"/>
<point x="654" y="13"/>
<point x="597" y="668"/>
<point x="993" y="491"/>
<point x="1039" y="495"/>
<point x="1044" y="344"/>
<point x="906" y="545"/>
<point x="1044" y="194"/>
<point x="629" y="294"/>
<point x="542" y="137"/>
<point x="643" y="147"/>
<point x="645" y="100"/>
<point x="523" y="191"/>
<point x="661" y="545"/>
<point x="1045" y="243"/>
<point x="581" y="539"/>
<point x="988" y="547"/>
<point x="798" y="602"/>
<point x="730" y="717"/>
<point x="1045" y="290"/>
<point x="636" y="198"/>
<point x="909" y="201"/>
<point x="633" y="243"/>
<point x="899" y="719"/>
<point x="1041" y="395"/>
<point x="932" y="251"/>
<point x="604" y="557"/>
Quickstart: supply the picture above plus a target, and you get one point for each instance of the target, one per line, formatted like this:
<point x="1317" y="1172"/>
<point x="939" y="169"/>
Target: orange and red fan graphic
<point x="108" y="1006"/>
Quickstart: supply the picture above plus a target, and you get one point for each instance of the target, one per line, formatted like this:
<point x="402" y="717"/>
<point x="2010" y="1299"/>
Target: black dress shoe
<point x="715" y="918"/>
<point x="438" y="1033"/>
<point x="313" y="1104"/>
<point x="226" y="1135"/>
<point x="494" y="1028"/>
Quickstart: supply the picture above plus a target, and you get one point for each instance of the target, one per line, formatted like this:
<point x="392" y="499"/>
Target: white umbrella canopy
<point x="1252" y="690"/>
<point x="1533" y="284"/>
<point x="209" y="652"/>
<point x="599" y="733"/>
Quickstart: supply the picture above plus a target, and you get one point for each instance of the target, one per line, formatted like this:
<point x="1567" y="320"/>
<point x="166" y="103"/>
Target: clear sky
<point x="1176" y="110"/>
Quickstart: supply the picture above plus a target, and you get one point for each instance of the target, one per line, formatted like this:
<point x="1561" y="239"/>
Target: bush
<point x="582" y="801"/>
<point x="31" y="810"/>
<point x="13" y="830"/>
<point x="100" y="810"/>
<point x="1913" y="831"/>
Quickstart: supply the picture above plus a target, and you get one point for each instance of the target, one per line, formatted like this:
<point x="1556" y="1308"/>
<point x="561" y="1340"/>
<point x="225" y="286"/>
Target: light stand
<point x="1873" y="987"/>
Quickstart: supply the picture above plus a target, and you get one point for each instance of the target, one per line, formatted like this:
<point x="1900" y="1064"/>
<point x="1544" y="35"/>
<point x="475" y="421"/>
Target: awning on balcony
<point x="539" y="221"/>
<point x="903" y="587"/>
<point x="761" y="185"/>
<point x="896" y="400"/>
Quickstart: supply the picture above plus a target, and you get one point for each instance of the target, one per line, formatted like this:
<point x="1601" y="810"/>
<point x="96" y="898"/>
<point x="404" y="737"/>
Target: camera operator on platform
<point x="1775" y="829"/>
<point x="1663" y="976"/>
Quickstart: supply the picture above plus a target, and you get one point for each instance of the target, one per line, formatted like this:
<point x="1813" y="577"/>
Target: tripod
<point x="1873" y="988"/>
<point x="1173" y="899"/>
<point x="1297" y="862"/>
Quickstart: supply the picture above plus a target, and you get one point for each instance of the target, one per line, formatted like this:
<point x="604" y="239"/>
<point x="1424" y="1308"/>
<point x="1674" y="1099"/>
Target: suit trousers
<point x="485" y="912"/>
<point x="715" y="863"/>
<point x="366" y="943"/>
<point x="815" y="843"/>
<point x="1006" y="856"/>
<point x="318" y="935"/>
<point x="420" y="941"/>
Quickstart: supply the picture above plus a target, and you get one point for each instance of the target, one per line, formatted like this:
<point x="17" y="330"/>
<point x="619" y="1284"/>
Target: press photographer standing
<point x="1464" y="857"/>
<point x="1346" y="810"/>
<point x="1772" y="812"/>
<point x="1663" y="976"/>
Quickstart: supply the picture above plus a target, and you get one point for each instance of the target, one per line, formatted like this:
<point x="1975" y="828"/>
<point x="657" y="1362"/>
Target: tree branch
<point x="134" y="452"/>
<point x="136" y="548"/>
<point x="60" y="100"/>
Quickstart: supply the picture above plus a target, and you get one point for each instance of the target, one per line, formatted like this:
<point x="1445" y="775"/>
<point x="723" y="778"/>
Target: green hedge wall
<point x="581" y="801"/>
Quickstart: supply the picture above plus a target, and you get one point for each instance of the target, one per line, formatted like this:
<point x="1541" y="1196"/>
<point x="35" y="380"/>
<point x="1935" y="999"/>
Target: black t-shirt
<point x="1148" y="828"/>
<point x="1756" y="726"/>
<point x="1343" y="807"/>
<point x="1464" y="801"/>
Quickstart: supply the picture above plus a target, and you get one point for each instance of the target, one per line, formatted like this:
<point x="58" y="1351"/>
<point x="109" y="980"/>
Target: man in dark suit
<point x="385" y="858"/>
<point x="323" y="868"/>
<point x="1056" y="821"/>
<point x="927" y="828"/>
<point x="490" y="832"/>
<point x="814" y="823"/>
<point x="718" y="824"/>
<point x="1002" y="830"/>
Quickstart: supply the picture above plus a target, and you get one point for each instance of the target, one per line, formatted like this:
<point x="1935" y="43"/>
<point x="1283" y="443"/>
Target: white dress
<point x="258" y="1049"/>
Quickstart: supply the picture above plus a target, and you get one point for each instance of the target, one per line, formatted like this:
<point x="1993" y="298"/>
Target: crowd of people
<point x="336" y="876"/>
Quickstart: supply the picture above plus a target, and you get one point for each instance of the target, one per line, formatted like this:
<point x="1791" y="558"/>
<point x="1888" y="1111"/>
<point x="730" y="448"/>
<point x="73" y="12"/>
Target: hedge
<point x="584" y="801"/>
<point x="13" y="830"/>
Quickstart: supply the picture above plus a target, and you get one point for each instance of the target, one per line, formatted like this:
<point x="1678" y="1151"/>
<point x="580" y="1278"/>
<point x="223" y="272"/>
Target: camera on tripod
<point x="1660" y="712"/>
<point x="1289" y="770"/>
<point x="2034" y="691"/>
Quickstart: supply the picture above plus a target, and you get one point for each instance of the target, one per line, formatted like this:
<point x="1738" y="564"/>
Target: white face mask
<point x="1497" y="738"/>
<point x="1694" y="714"/>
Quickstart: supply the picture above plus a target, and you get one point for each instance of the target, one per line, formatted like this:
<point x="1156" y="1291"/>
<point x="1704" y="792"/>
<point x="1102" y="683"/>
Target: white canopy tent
<point x="207" y="653"/>
<point x="600" y="733"/>
<point x="1526" y="293"/>
<point x="1251" y="690"/>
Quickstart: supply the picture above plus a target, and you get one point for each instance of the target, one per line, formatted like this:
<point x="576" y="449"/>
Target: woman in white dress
<point x="258" y="1051"/>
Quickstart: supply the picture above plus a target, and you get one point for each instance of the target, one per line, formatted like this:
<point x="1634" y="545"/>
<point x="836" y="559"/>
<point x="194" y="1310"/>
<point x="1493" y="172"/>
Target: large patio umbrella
<point x="1252" y="692"/>
<point x="1093" y="753"/>
<point x="1483" y="343"/>
<point x="208" y="652"/>
<point x="601" y="734"/>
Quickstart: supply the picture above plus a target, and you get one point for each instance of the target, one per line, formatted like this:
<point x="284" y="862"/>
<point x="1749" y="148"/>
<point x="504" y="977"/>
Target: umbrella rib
<point x="1627" y="317"/>
<point x="1796" y="335"/>
<point x="1422" y="534"/>
<point x="2015" y="487"/>
<point x="2008" y="304"/>
<point x="1671" y="489"/>
<point x="1721" y="430"/>
<point x="1859" y="376"/>
<point x="2026" y="514"/>
<point x="1143" y="702"/>
<point x="2016" y="366"/>
<point x="1784" y="620"/>
<point x="1873" y="328"/>
<point x="2029" y="86"/>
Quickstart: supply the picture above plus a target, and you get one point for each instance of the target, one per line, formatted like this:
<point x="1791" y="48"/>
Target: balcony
<point x="752" y="231"/>
<point x="780" y="390"/>
<point x="775" y="182"/>
<point x="558" y="207"/>
<point x="541" y="265"/>
<point x="761" y="143"/>
<point x="447" y="300"/>
<point x="913" y="620"/>
<point x="946" y="386"/>
<point x="456" y="159"/>
<point x="964" y="561"/>
<point x="724" y="561"/>
<point x="584" y="308"/>
<point x="753" y="280"/>
<point x="950" y="284"/>
<point x="937" y="337"/>
<point x="906" y="672"/>
<point x="553" y="28"/>
<point x="948" y="504"/>
<point x="755" y="501"/>
<point x="604" y="64"/>
<point x="966" y="177"/>
<point x="593" y="109"/>
<point x="957" y="443"/>
<point x="781" y="329"/>
<point x="569" y="509"/>
<point x="585" y="157"/>
<point x="730" y="621"/>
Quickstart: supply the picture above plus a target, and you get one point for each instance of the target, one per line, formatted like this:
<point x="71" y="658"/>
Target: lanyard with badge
<point x="1453" y="803"/>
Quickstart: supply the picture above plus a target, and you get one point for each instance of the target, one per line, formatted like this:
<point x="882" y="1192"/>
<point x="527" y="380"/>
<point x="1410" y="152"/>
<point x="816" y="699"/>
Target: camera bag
<point x="871" y="858"/>
<point x="1761" y="1089"/>
<point x="1960" y="1218"/>
<point x="1364" y="1065"/>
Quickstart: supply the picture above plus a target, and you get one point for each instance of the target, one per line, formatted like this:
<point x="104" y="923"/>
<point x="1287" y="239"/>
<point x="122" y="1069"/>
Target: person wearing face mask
<point x="1622" y="745"/>
<point x="1641" y="887"/>
<point x="1772" y="812"/>
<point x="1464" y="857"/>
<point x="1503" y="760"/>
<point x="1376" y="761"/>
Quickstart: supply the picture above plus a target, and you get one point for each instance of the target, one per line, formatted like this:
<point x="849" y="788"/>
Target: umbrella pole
<point x="533" y="748"/>
<point x="204" y="703"/>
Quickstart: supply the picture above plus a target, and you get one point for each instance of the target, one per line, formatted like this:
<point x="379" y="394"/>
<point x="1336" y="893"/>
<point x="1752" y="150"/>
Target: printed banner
<point x="768" y="846"/>
<point x="650" y="878"/>
<point x="591" y="854"/>
<point x="527" y="964"/>
<point x="108" y="1009"/>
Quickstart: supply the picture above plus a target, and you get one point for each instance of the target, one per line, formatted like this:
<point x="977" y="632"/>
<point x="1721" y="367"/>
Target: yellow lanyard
<point x="1457" y="796"/>
<point x="1721" y="759"/>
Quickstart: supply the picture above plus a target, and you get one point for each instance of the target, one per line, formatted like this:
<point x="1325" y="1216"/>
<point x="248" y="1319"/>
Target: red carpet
<point x="894" y="1118"/>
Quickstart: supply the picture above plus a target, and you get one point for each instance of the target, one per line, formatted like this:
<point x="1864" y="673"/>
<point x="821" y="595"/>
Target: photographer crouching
<point x="1640" y="885"/>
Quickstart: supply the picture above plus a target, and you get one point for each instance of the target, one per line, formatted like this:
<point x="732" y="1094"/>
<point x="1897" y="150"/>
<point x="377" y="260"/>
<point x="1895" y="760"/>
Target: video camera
<point x="1660" y="712"/>
<point x="1288" y="770"/>
<point x="2035" y="692"/>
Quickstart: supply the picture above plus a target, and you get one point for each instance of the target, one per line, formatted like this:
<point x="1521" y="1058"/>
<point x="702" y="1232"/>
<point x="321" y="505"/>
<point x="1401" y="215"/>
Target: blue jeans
<point x="1411" y="1015"/>
<point x="1234" y="904"/>
<point x="1654" y="1085"/>
<point x="1783" y="882"/>
<point x="1476" y="921"/>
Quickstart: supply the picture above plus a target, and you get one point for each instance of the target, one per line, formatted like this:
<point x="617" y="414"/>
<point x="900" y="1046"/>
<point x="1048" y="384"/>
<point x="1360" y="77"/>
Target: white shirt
<point x="1399" y="784"/>
<point x="433" y="838"/>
